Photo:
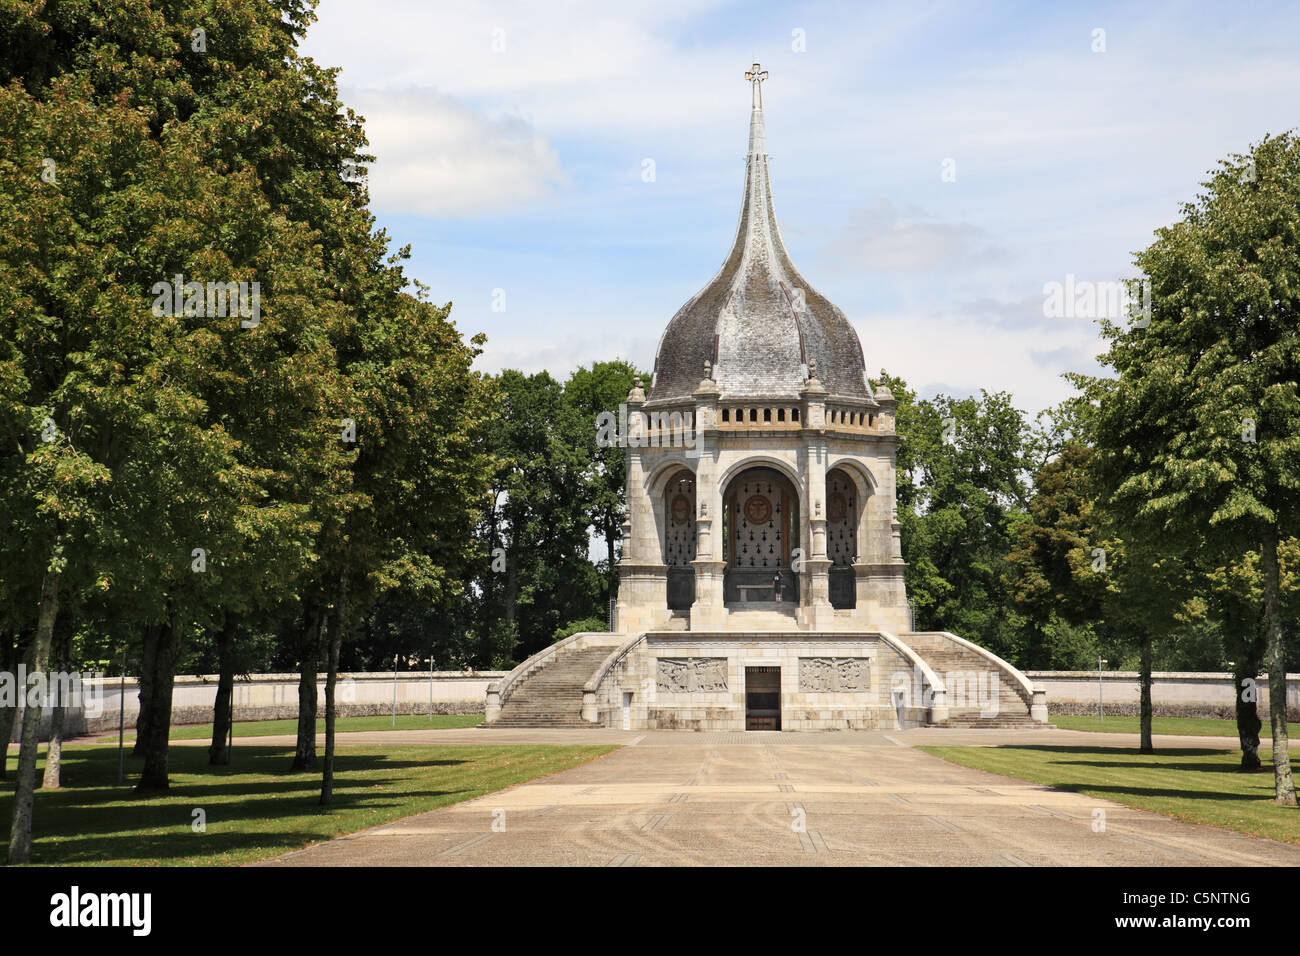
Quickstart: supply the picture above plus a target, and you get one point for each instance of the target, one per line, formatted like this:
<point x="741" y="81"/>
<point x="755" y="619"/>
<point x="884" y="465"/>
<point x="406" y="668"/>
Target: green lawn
<point x="1200" y="786"/>
<point x="1187" y="726"/>
<point x="257" y="809"/>
<point x="266" y="728"/>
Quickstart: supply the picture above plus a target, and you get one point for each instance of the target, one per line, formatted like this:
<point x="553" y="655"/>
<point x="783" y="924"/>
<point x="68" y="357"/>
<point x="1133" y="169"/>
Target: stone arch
<point x="860" y="473"/>
<point x="763" y="461"/>
<point x="677" y="502"/>
<point x="761" y="527"/>
<point x="874" y="505"/>
<point x="844" y="507"/>
<point x="656" y="479"/>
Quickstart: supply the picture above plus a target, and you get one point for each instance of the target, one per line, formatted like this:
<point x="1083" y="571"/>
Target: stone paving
<point x="722" y="799"/>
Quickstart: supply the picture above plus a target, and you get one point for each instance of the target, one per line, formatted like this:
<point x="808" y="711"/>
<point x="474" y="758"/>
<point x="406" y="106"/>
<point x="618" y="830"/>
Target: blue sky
<point x="511" y="140"/>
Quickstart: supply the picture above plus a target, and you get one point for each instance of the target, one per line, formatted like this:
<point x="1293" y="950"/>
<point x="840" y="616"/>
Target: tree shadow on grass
<point x="1216" y="796"/>
<point x="1113" y="751"/>
<point x="1153" y="762"/>
<point x="1136" y="760"/>
<point x="92" y="819"/>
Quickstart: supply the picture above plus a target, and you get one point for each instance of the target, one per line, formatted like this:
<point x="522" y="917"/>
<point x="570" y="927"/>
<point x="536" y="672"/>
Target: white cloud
<point x="1026" y="364"/>
<point x="440" y="158"/>
<point x="884" y="238"/>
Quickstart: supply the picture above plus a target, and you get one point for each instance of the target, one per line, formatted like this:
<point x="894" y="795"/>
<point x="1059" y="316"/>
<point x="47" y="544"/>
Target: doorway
<point x="762" y="698"/>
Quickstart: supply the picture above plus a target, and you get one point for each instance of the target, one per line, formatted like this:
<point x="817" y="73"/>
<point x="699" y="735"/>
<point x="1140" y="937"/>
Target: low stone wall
<point x="275" y="696"/>
<point x="1173" y="693"/>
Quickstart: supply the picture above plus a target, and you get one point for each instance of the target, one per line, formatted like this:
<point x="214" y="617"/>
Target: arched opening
<point x="679" y="539"/>
<point x="760" y="530"/>
<point x="842" y="510"/>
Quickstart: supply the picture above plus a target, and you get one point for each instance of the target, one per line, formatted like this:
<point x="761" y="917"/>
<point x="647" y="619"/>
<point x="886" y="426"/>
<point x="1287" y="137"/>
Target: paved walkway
<point x="784" y="799"/>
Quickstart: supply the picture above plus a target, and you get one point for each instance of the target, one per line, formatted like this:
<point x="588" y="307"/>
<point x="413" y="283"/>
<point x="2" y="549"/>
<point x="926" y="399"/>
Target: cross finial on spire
<point x="756" y="75"/>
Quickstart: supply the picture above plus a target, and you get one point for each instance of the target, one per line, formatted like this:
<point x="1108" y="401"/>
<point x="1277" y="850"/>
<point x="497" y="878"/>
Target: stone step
<point x="950" y="661"/>
<point x="552" y="696"/>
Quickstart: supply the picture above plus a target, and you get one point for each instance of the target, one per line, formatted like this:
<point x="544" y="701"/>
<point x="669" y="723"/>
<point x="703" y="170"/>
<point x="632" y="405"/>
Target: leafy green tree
<point x="536" y="531"/>
<point x="591" y="391"/>
<point x="963" y="486"/>
<point x="1196" y="437"/>
<point x="422" y="465"/>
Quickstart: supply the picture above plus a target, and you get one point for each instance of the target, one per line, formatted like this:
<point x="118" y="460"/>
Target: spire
<point x="758" y="320"/>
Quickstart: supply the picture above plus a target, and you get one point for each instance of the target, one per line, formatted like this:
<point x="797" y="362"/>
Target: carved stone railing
<point x="499" y="692"/>
<point x="938" y="695"/>
<point x="1034" y="695"/>
<point x="851" y="418"/>
<point x="590" y="690"/>
<point x="759" y="414"/>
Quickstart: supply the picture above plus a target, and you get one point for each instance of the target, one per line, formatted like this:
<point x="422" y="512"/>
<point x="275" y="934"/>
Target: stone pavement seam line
<point x="624" y="859"/>
<point x="812" y="842"/>
<point x="462" y="847"/>
<point x="943" y="824"/>
<point x="1015" y="860"/>
<point x="895" y="741"/>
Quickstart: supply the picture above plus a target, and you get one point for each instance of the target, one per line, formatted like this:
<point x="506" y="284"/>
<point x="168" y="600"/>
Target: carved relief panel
<point x="690" y="675"/>
<point x="829" y="675"/>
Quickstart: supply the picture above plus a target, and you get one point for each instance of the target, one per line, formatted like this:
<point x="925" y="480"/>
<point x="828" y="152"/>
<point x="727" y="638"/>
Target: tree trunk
<point x="153" y="776"/>
<point x="510" y="604"/>
<point x="9" y="658"/>
<point x="1248" y="722"/>
<point x="54" y="751"/>
<point x="1145" y="705"/>
<point x="20" y="834"/>
<point x="7" y="715"/>
<point x="223" y="707"/>
<point x="331" y="679"/>
<point x="60" y="661"/>
<point x="150" y="637"/>
<point x="304" y="757"/>
<point x="1284" y="785"/>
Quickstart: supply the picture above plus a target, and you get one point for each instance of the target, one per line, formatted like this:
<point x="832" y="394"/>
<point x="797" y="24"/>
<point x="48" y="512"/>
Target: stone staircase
<point x="552" y="697"/>
<point x="968" y="675"/>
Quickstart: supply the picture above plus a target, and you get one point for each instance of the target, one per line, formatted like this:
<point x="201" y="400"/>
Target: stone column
<point x="889" y="590"/>
<point x="709" y="611"/>
<point x="643" y="577"/>
<point x="815" y="611"/>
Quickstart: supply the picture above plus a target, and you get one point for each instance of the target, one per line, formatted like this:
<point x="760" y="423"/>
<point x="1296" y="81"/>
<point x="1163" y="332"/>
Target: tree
<point x="591" y="391"/>
<point x="536" y="527"/>
<point x="1196" y="436"/>
<point x="422" y="467"/>
<point x="963" y="485"/>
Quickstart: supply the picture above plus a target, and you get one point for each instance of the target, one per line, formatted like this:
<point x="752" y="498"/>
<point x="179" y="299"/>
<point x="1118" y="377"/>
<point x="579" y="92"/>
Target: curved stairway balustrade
<point x="1032" y="696"/>
<point x="500" y="691"/>
<point x="590" y="709"/>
